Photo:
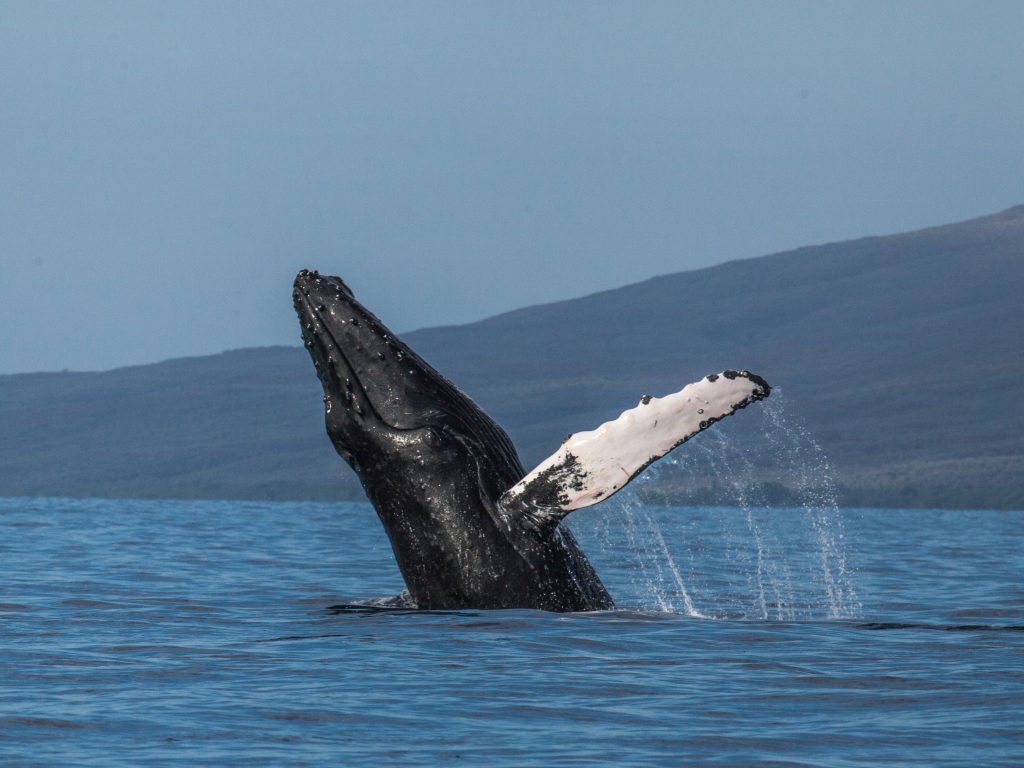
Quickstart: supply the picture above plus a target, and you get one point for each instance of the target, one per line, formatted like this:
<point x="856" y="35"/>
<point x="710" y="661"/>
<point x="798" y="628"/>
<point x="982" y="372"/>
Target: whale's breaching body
<point x="470" y="528"/>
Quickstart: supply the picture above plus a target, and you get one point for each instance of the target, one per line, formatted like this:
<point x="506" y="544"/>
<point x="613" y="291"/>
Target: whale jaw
<point x="377" y="391"/>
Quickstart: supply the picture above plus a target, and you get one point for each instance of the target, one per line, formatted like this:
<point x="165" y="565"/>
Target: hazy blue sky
<point x="165" y="168"/>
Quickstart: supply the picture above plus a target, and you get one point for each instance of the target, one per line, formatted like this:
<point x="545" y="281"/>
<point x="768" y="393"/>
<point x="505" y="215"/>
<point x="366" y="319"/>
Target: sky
<point x="166" y="168"/>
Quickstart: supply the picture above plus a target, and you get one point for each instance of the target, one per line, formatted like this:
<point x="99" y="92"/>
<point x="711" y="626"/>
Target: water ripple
<point x="207" y="633"/>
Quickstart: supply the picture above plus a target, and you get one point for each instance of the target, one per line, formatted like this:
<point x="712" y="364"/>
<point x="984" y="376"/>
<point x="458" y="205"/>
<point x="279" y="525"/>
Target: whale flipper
<point x="591" y="466"/>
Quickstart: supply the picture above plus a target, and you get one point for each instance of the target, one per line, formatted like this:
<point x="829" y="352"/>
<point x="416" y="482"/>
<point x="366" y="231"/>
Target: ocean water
<point x="139" y="633"/>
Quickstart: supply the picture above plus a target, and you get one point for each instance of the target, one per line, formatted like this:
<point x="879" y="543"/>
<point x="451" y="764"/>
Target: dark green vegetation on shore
<point x="901" y="354"/>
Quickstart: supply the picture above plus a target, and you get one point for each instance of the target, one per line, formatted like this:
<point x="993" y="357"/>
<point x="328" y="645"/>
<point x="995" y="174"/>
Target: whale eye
<point x="431" y="436"/>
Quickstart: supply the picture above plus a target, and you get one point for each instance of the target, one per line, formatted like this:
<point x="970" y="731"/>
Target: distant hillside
<point x="902" y="355"/>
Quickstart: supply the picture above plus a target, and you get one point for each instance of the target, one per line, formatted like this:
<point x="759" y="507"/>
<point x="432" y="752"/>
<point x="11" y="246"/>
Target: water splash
<point x="747" y="556"/>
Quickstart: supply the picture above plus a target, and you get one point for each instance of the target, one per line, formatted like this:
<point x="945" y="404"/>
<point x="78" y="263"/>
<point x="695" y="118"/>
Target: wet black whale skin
<point x="434" y="466"/>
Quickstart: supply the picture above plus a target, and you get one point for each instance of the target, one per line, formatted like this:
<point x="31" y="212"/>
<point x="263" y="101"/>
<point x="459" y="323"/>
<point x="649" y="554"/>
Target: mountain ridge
<point x="873" y="340"/>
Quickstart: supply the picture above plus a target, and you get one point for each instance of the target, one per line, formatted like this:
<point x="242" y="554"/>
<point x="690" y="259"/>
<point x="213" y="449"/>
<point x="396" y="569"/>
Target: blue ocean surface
<point x="142" y="633"/>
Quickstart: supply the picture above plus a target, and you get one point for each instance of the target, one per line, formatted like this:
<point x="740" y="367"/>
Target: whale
<point x="469" y="527"/>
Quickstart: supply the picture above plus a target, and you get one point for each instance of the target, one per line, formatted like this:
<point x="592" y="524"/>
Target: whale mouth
<point x="375" y="387"/>
<point x="332" y="367"/>
<point x="329" y="313"/>
<point x="369" y="376"/>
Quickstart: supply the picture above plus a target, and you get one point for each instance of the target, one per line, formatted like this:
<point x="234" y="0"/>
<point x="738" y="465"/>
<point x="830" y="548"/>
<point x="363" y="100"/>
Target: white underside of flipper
<point x="591" y="466"/>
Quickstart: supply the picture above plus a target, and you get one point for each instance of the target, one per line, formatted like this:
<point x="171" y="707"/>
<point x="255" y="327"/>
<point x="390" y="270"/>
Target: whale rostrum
<point x="468" y="526"/>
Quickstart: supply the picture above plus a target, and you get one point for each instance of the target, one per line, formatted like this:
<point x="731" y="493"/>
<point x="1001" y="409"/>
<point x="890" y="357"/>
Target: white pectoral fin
<point x="591" y="466"/>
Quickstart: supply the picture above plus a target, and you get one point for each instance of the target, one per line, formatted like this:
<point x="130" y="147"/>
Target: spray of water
<point x="745" y="557"/>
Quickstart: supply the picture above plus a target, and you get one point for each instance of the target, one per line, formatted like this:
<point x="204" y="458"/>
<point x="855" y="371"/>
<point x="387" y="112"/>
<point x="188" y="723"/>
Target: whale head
<point x="419" y="445"/>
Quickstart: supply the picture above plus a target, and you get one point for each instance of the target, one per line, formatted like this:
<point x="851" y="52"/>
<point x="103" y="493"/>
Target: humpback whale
<point x="468" y="526"/>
